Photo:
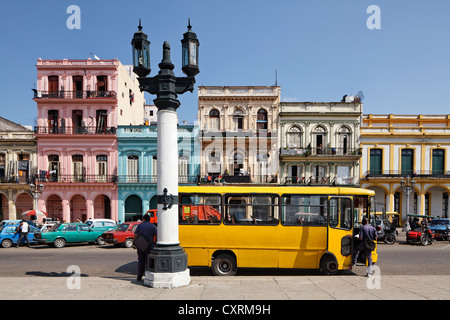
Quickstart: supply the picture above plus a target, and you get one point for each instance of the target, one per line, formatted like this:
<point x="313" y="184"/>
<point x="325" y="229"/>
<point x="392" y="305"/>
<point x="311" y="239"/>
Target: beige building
<point x="319" y="142"/>
<point x="18" y="163"/>
<point x="398" y="147"/>
<point x="238" y="133"/>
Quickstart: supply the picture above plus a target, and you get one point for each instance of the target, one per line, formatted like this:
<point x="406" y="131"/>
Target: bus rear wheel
<point x="328" y="265"/>
<point x="224" y="265"/>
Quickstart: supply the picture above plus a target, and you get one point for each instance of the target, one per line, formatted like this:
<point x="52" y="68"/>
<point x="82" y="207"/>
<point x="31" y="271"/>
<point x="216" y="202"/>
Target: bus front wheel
<point x="224" y="265"/>
<point x="328" y="265"/>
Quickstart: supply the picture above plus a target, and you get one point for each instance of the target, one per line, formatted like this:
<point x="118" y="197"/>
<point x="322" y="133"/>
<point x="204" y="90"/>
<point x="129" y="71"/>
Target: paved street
<point x="406" y="272"/>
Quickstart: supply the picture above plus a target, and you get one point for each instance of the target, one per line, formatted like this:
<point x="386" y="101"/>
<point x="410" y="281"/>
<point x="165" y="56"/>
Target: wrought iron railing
<point x="74" y="130"/>
<point x="73" y="94"/>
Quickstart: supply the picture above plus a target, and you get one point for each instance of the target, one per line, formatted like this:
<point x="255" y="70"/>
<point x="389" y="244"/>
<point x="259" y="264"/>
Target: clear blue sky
<point x="321" y="49"/>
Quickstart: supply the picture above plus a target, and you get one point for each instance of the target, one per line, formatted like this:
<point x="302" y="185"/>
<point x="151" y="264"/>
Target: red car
<point x="122" y="235"/>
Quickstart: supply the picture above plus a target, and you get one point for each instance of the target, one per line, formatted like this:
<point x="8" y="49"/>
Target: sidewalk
<point x="350" y="287"/>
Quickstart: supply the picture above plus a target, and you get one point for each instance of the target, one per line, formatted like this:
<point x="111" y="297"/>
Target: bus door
<point x="339" y="242"/>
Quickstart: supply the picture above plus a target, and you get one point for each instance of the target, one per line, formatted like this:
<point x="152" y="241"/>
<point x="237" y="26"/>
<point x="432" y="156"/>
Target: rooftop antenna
<point x="276" y="78"/>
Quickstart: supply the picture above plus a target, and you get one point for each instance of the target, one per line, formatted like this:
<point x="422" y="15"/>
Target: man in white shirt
<point x="23" y="232"/>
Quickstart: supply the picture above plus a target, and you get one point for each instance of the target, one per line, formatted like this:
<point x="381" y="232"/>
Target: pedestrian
<point x="366" y="232"/>
<point x="148" y="231"/>
<point x="23" y="232"/>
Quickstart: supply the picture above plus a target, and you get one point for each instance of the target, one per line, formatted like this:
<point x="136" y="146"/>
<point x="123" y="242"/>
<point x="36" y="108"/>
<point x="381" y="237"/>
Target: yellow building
<point x="398" y="147"/>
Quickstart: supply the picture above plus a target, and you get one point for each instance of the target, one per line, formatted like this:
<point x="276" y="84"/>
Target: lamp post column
<point x="167" y="263"/>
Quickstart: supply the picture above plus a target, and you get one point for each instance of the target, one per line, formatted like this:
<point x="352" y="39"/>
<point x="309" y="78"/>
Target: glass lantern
<point x="141" y="53"/>
<point x="190" y="45"/>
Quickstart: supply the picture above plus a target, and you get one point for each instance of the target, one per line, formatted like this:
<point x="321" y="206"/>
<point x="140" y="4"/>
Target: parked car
<point x="122" y="235"/>
<point x="63" y="233"/>
<point x="441" y="228"/>
<point x="8" y="222"/>
<point x="101" y="224"/>
<point x="9" y="237"/>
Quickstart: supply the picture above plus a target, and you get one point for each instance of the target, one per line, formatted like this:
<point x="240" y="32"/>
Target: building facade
<point x="319" y="143"/>
<point x="398" y="147"/>
<point x="18" y="162"/>
<point x="80" y="104"/>
<point x="137" y="177"/>
<point x="238" y="133"/>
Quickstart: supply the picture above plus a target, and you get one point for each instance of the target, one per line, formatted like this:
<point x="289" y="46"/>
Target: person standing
<point x="149" y="232"/>
<point x="366" y="232"/>
<point x="23" y="232"/>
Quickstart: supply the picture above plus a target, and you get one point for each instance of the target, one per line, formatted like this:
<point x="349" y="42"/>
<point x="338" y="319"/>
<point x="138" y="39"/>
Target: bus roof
<point x="276" y="189"/>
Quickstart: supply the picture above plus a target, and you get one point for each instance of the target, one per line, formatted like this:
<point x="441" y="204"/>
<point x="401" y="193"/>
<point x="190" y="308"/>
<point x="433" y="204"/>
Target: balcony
<point x="319" y="181"/>
<point x="74" y="94"/>
<point x="152" y="179"/>
<point x="72" y="178"/>
<point x="74" y="130"/>
<point x="328" y="152"/>
<point x="392" y="174"/>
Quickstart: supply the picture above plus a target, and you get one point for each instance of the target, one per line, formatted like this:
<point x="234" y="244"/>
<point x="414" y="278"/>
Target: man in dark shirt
<point x="149" y="231"/>
<point x="366" y="232"/>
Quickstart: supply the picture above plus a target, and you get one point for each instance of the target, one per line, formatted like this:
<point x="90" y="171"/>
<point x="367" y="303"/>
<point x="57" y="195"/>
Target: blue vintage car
<point x="9" y="237"/>
<point x="441" y="228"/>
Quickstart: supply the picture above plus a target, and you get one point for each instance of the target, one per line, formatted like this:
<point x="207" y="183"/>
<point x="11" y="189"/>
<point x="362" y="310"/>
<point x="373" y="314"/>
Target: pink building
<point x="80" y="103"/>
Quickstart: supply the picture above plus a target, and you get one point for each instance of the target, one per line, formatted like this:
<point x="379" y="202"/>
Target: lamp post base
<point x="167" y="280"/>
<point x="167" y="267"/>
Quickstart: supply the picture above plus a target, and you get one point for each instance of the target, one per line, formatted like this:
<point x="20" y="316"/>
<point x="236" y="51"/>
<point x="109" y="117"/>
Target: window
<point x="77" y="161"/>
<point x="344" y="140"/>
<point x="294" y="137"/>
<point x="53" y="167"/>
<point x="376" y="156"/>
<point x="102" y="120"/>
<point x="407" y="161"/>
<point x="101" y="86"/>
<point x="304" y="210"/>
<point x="214" y="115"/>
<point x="102" y="168"/>
<point x="253" y="209"/>
<point x="133" y="168"/>
<point x="319" y="139"/>
<point x="53" y="86"/>
<point x="238" y="119"/>
<point x="261" y="119"/>
<point x="341" y="213"/>
<point x="343" y="175"/>
<point x="438" y="161"/>
<point x="183" y="169"/>
<point x="70" y="227"/>
<point x="199" y="209"/>
<point x="78" y="86"/>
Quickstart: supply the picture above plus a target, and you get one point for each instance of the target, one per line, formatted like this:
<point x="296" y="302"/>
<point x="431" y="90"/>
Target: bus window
<point x="334" y="212"/>
<point x="341" y="213"/>
<point x="251" y="209"/>
<point x="199" y="209"/>
<point x="305" y="210"/>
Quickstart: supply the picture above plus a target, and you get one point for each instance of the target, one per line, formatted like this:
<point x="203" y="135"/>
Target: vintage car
<point x="122" y="235"/>
<point x="441" y="228"/>
<point x="9" y="237"/>
<point x="63" y="233"/>
<point x="101" y="224"/>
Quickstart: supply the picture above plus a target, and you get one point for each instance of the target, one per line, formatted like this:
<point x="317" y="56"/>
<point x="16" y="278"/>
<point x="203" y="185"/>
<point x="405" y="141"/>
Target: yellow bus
<point x="226" y="227"/>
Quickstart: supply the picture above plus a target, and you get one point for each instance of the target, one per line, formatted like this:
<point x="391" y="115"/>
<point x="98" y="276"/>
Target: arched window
<point x="319" y="139"/>
<point x="344" y="134"/>
<point x="214" y="115"/>
<point x="238" y="119"/>
<point x="261" y="119"/>
<point x="294" y="137"/>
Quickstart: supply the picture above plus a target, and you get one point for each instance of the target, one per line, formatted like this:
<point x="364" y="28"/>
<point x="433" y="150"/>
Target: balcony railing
<point x="73" y="94"/>
<point x="407" y="173"/>
<point x="74" y="130"/>
<point x="142" y="179"/>
<point x="77" y="178"/>
<point x="319" y="181"/>
<point x="328" y="151"/>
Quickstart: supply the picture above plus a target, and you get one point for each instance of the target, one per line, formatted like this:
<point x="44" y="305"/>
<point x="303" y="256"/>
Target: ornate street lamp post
<point x="407" y="187"/>
<point x="36" y="190"/>
<point x="167" y="263"/>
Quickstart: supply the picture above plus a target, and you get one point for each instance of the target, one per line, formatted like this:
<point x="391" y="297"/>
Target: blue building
<point x="137" y="166"/>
